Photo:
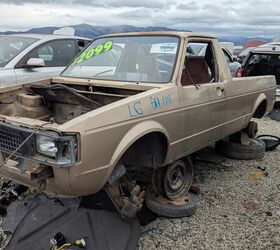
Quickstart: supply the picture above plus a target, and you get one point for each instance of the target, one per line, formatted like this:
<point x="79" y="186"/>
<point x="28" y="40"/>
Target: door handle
<point x="220" y="89"/>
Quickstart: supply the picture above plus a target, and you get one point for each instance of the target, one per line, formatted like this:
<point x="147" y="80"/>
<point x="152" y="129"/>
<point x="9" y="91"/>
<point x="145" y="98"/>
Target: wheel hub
<point x="178" y="179"/>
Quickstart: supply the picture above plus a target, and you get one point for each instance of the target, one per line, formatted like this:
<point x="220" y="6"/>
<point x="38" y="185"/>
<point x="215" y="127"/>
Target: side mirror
<point x="35" y="62"/>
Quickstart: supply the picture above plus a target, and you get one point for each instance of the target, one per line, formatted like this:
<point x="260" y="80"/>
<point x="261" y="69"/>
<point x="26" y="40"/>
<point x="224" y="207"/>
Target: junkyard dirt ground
<point x="239" y="205"/>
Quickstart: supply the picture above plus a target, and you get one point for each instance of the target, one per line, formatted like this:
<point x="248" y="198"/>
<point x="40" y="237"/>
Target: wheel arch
<point x="260" y="106"/>
<point x="135" y="134"/>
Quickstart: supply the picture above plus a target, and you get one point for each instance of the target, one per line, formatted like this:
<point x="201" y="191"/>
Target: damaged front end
<point x="31" y="156"/>
<point x="37" y="148"/>
<point x="44" y="147"/>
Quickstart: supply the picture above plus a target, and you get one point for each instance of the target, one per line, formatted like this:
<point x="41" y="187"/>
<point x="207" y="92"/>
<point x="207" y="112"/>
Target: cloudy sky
<point x="231" y="17"/>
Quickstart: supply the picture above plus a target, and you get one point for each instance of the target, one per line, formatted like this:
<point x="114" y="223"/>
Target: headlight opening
<point x="60" y="148"/>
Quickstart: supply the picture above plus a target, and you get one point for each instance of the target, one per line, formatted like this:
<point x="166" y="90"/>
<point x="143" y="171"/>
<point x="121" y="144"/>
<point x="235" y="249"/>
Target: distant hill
<point x="90" y="31"/>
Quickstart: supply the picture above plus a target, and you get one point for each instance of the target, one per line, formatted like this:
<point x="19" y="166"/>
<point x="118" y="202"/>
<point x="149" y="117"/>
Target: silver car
<point x="29" y="57"/>
<point x="234" y="65"/>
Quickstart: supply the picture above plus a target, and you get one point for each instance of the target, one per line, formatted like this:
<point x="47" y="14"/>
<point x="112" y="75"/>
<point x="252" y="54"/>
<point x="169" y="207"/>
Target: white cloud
<point x="251" y="17"/>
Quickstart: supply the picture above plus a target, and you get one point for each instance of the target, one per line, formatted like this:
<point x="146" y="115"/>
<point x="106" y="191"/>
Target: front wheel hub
<point x="178" y="179"/>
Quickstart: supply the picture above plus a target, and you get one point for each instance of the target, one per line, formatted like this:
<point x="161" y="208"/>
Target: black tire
<point x="170" y="210"/>
<point x="255" y="150"/>
<point x="157" y="180"/>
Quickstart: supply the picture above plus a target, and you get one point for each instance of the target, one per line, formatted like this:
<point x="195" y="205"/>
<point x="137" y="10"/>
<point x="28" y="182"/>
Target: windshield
<point x="127" y="58"/>
<point x="11" y="46"/>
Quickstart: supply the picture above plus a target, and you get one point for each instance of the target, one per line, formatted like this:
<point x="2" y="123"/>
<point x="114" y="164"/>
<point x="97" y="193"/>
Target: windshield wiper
<point x="103" y="72"/>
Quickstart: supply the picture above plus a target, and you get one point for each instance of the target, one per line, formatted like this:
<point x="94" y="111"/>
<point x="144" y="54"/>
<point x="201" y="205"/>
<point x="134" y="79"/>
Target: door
<point x="56" y="55"/>
<point x="7" y="77"/>
<point x="202" y="98"/>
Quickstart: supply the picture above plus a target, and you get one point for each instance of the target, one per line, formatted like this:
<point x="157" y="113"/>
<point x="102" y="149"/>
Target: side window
<point x="199" y="66"/>
<point x="46" y="53"/>
<point x="55" y="53"/>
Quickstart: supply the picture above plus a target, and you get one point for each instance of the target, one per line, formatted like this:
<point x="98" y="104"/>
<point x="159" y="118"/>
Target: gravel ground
<point x="239" y="205"/>
<point x="236" y="210"/>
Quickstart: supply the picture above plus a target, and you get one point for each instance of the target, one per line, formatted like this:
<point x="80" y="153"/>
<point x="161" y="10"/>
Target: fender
<point x="135" y="133"/>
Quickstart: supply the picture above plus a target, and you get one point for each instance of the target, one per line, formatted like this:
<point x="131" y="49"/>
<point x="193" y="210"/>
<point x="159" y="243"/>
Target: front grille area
<point x="11" y="138"/>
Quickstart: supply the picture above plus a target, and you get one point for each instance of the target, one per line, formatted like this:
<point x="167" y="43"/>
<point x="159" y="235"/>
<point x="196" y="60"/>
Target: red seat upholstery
<point x="195" y="72"/>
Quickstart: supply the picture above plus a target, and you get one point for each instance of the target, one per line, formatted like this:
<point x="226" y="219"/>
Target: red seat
<point x="195" y="72"/>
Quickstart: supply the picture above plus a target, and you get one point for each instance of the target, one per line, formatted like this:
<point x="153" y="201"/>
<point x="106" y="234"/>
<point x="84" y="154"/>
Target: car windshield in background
<point x="11" y="46"/>
<point x="263" y="64"/>
<point x="127" y="58"/>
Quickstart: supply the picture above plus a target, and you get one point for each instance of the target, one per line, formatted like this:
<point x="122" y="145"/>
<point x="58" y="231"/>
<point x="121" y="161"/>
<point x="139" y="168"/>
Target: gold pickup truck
<point x="134" y="102"/>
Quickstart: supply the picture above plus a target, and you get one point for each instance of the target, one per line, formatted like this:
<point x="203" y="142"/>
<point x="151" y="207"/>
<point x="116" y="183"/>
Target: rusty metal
<point x="180" y="201"/>
<point x="252" y="129"/>
<point x="41" y="173"/>
<point x="127" y="205"/>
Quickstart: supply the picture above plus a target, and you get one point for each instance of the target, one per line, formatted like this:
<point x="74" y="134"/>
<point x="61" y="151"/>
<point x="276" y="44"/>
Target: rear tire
<point x="255" y="150"/>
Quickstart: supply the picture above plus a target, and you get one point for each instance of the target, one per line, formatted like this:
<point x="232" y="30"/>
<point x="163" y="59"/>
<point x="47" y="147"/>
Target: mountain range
<point x="90" y="31"/>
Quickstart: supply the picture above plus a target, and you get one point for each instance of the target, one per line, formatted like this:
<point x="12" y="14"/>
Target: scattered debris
<point x="58" y="242"/>
<point x="261" y="168"/>
<point x="9" y="192"/>
<point x="255" y="175"/>
<point x="271" y="141"/>
<point x="251" y="205"/>
<point x="195" y="189"/>
<point x="268" y="213"/>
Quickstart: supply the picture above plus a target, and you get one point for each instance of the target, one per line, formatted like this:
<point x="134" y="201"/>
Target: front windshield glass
<point x="11" y="46"/>
<point x="127" y="58"/>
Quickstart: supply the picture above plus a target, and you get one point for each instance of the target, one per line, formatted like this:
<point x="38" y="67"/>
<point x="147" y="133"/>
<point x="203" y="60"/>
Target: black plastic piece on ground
<point x="271" y="141"/>
<point x="275" y="115"/>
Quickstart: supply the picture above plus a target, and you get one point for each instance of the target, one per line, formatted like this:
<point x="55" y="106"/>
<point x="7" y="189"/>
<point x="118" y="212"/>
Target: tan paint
<point x="195" y="118"/>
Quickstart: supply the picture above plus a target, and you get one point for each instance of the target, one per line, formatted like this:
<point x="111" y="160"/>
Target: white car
<point x="29" y="57"/>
